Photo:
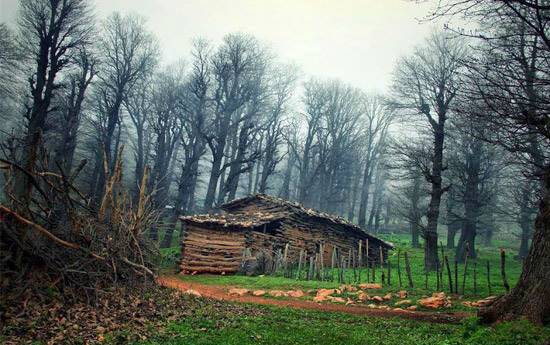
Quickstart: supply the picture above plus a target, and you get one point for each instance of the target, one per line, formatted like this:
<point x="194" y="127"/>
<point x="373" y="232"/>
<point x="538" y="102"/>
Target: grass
<point x="274" y="325"/>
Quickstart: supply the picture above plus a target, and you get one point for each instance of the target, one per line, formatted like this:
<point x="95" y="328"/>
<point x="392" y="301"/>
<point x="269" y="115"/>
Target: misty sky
<point x="357" y="41"/>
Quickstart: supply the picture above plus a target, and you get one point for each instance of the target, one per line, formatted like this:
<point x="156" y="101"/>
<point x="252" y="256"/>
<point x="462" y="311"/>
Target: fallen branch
<point x="45" y="232"/>
<point x="139" y="266"/>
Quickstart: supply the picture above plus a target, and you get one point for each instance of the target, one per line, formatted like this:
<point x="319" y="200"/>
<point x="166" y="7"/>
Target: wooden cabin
<point x="218" y="243"/>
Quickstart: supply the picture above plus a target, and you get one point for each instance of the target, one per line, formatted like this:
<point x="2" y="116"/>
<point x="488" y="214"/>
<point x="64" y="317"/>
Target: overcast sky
<point x="357" y="41"/>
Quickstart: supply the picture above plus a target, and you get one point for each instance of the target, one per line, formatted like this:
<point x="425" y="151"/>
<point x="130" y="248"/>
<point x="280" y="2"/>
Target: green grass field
<point x="271" y="325"/>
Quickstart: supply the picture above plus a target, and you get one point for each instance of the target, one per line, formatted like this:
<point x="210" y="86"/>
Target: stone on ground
<point x="258" y="293"/>
<point x="372" y="286"/>
<point x="192" y="293"/>
<point x="438" y="300"/>
<point x="238" y="292"/>
<point x="295" y="293"/>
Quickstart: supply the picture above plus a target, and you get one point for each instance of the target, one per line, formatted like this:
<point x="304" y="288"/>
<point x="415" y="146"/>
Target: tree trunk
<point x="415" y="233"/>
<point x="530" y="298"/>
<point x="452" y="230"/>
<point x="364" y="199"/>
<point x="431" y="258"/>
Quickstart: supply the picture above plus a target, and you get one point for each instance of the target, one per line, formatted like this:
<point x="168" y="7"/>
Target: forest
<point x="106" y="144"/>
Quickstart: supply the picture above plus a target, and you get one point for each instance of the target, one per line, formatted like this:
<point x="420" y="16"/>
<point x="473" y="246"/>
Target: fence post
<point x="465" y="268"/>
<point x="489" y="277"/>
<point x="449" y="274"/>
<point x="389" y="271"/>
<point x="299" y="265"/>
<point x="456" y="275"/>
<point x="408" y="270"/>
<point x="475" y="277"/>
<point x="399" y="267"/>
<point x="503" y="269"/>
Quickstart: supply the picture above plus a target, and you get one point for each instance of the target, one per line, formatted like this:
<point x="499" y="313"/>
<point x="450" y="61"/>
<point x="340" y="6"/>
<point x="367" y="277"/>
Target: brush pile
<point x="77" y="248"/>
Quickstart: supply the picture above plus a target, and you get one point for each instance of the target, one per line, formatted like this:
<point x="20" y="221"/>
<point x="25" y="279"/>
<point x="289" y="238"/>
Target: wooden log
<point x="503" y="270"/>
<point x="408" y="270"/>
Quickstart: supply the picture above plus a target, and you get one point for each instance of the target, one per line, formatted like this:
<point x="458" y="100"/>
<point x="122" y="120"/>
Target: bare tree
<point x="129" y="53"/>
<point x="138" y="104"/>
<point x="235" y="68"/>
<point x="425" y="84"/>
<point x="166" y="124"/>
<point x="51" y="32"/>
<point x="376" y="120"/>
<point x="72" y="99"/>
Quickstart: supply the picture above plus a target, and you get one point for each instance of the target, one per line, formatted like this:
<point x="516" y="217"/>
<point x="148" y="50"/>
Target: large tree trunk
<point x="431" y="258"/>
<point x="415" y="233"/>
<point x="213" y="181"/>
<point x="452" y="230"/>
<point x="530" y="298"/>
<point x="364" y="198"/>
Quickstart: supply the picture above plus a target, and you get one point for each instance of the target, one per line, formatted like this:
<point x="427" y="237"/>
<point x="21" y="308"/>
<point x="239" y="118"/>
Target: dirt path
<point x="219" y="292"/>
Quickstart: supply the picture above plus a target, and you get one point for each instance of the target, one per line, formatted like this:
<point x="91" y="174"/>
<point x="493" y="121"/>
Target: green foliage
<point x="170" y="257"/>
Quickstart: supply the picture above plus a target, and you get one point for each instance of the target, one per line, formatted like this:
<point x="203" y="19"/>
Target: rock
<point x="384" y="307"/>
<point x="348" y="288"/>
<point x="238" y="292"/>
<point x="336" y="299"/>
<point x="377" y="299"/>
<point x="192" y="292"/>
<point x="403" y="302"/>
<point x="326" y="292"/>
<point x="349" y="301"/>
<point x="319" y="299"/>
<point x="363" y="296"/>
<point x="295" y="293"/>
<point x="223" y="273"/>
<point x="412" y="308"/>
<point x="258" y="293"/>
<point x="277" y="293"/>
<point x="372" y="306"/>
<point x="370" y="286"/>
<point x="387" y="297"/>
<point x="402" y="294"/>
<point x="438" y="300"/>
<point x="398" y="309"/>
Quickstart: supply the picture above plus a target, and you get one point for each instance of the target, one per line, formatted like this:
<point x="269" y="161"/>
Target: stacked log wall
<point x="207" y="250"/>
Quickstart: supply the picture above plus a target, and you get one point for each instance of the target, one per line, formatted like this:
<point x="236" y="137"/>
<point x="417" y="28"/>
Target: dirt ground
<point x="220" y="292"/>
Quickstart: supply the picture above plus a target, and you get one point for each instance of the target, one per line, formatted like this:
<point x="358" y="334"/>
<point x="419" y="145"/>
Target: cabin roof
<point x="281" y="208"/>
<point x="238" y="220"/>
